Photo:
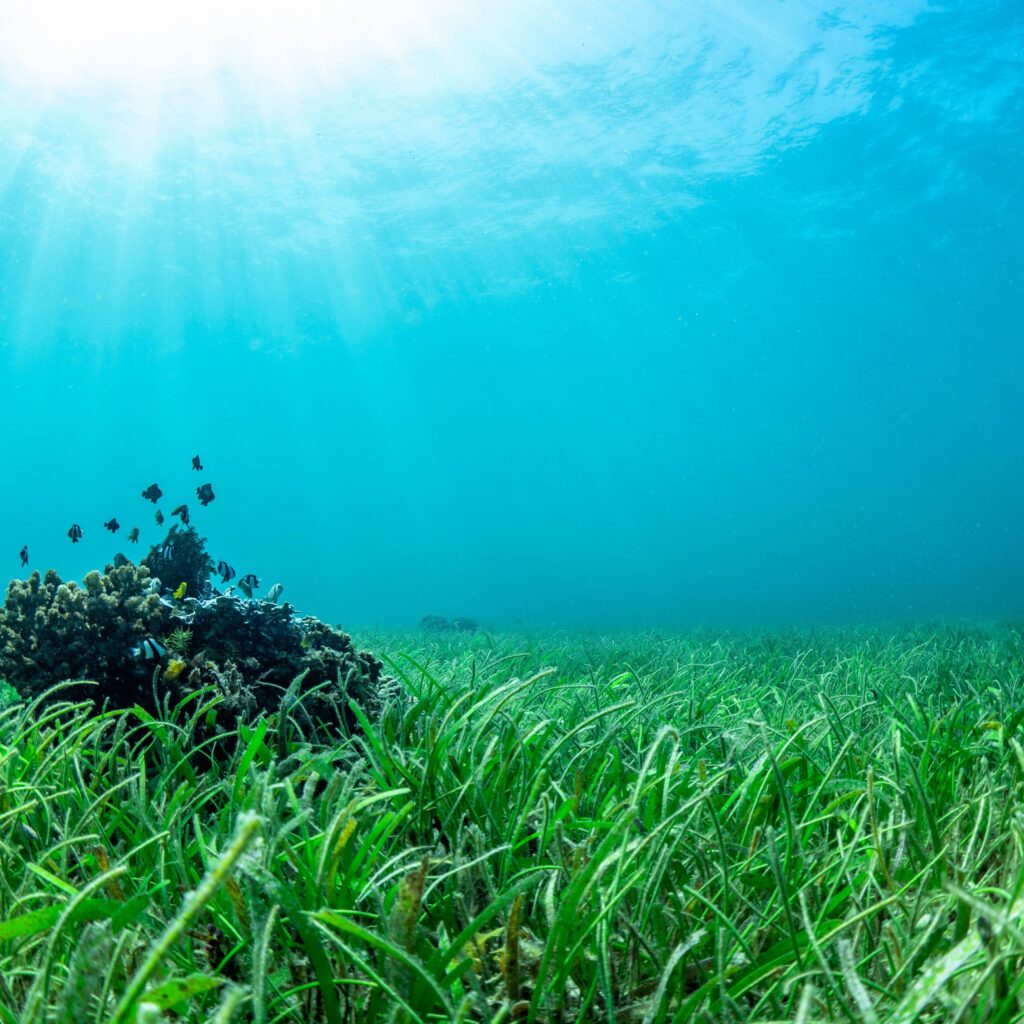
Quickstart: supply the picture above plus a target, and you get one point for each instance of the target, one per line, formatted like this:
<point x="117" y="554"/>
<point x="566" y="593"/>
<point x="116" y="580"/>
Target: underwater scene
<point x="512" y="512"/>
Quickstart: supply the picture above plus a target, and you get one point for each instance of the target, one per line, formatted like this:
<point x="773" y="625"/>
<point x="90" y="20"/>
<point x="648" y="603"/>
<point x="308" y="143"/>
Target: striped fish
<point x="149" y="650"/>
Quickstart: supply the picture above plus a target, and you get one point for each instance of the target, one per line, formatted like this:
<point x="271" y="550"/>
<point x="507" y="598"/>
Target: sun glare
<point x="60" y="45"/>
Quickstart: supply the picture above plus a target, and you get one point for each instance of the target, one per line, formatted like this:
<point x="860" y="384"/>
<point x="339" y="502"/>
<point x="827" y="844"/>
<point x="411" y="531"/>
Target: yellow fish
<point x="180" y="592"/>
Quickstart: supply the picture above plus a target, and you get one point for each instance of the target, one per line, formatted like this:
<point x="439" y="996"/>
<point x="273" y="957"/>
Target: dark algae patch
<point x="546" y="827"/>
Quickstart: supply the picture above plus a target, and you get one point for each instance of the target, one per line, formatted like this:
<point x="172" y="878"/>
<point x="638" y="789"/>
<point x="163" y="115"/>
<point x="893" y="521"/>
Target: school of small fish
<point x="151" y="648"/>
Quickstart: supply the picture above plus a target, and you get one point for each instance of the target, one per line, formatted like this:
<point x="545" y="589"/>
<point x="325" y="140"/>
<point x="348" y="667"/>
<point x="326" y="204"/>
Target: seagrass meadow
<point x="639" y="828"/>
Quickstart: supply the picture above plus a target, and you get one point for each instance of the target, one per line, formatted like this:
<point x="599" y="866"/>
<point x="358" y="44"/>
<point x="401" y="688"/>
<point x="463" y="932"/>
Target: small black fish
<point x="225" y="571"/>
<point x="153" y="492"/>
<point x="112" y="525"/>
<point x="182" y="512"/>
<point x="23" y="554"/>
<point x="159" y="518"/>
<point x="134" y="535"/>
<point x="120" y="560"/>
<point x="75" y="533"/>
<point x="205" y="494"/>
<point x="196" y="464"/>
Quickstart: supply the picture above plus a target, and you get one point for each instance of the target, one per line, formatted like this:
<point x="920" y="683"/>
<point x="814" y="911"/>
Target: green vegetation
<point x="178" y="642"/>
<point x="8" y="694"/>
<point x="639" y="829"/>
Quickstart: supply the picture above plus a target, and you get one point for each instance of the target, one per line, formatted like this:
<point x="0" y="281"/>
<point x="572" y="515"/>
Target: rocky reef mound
<point x="124" y="630"/>
<point x="181" y="557"/>
<point x="52" y="631"/>
<point x="439" y="624"/>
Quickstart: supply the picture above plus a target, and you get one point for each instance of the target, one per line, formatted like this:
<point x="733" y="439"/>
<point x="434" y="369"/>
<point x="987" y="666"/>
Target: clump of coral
<point x="439" y="624"/>
<point x="249" y="652"/>
<point x="51" y="631"/>
<point x="181" y="558"/>
<point x="252" y="651"/>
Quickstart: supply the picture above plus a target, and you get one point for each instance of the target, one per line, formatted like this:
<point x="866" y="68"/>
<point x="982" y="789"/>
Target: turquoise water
<point x="626" y="314"/>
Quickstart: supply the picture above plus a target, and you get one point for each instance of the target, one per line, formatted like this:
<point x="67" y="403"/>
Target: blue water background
<point x="650" y="314"/>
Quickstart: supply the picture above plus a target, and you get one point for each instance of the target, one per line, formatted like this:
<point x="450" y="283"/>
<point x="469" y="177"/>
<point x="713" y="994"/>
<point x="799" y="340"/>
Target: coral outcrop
<point x="181" y="558"/>
<point x="250" y="652"/>
<point x="439" y="624"/>
<point x="51" y="631"/>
